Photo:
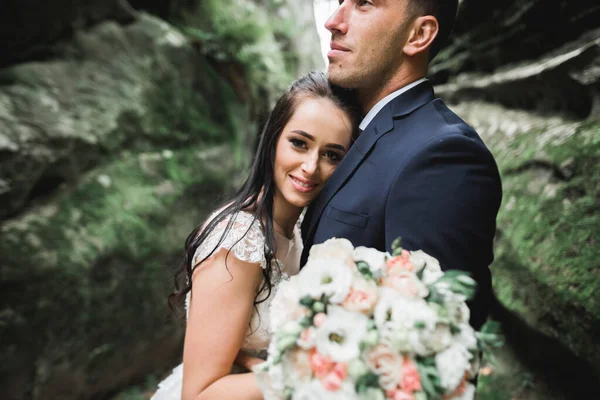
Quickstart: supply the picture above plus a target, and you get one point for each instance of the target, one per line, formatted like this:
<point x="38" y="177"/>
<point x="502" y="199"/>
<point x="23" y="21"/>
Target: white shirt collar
<point x="375" y="110"/>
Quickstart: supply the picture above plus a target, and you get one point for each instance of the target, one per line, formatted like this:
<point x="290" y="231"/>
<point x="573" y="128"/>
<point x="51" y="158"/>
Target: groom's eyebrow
<point x="311" y="137"/>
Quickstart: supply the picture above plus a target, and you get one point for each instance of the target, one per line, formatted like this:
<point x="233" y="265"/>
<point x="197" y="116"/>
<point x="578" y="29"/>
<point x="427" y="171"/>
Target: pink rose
<point x="332" y="382"/>
<point x="411" y="380"/>
<point x="319" y="319"/>
<point x="307" y="338"/>
<point x="400" y="395"/>
<point x="362" y="297"/>
<point x="406" y="283"/>
<point x="401" y="262"/>
<point x="320" y="365"/>
<point x="385" y="363"/>
<point x="334" y="379"/>
<point x="341" y="370"/>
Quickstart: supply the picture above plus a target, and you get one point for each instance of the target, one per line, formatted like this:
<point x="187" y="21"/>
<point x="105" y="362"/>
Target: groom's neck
<point x="372" y="94"/>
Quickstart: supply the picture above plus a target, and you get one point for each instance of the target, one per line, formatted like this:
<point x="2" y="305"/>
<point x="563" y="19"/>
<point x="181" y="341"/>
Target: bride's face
<point x="310" y="147"/>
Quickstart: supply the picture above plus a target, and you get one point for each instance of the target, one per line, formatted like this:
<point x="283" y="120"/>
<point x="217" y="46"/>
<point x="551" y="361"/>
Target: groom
<point x="417" y="171"/>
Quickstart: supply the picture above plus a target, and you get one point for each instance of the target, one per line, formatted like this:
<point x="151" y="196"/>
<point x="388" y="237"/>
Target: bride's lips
<point x="336" y="49"/>
<point x="303" y="185"/>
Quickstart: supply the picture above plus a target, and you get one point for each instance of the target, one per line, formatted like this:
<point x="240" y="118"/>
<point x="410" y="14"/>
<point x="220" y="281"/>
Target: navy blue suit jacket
<point x="421" y="173"/>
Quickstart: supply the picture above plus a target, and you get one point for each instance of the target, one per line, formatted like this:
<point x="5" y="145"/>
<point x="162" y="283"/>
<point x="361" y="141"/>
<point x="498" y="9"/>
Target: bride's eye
<point x="333" y="156"/>
<point x="300" y="144"/>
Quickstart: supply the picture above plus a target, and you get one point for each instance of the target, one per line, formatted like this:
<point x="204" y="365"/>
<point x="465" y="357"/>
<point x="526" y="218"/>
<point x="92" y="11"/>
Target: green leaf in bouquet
<point x="366" y="381"/>
<point x="421" y="272"/>
<point x="318" y="307"/>
<point x="363" y="268"/>
<point x="286" y="342"/>
<point x="434" y="296"/>
<point x="419" y="325"/>
<point x="357" y="368"/>
<point x="420" y="396"/>
<point x="371" y="324"/>
<point x="397" y="247"/>
<point x="454" y="329"/>
<point x="370" y="340"/>
<point x="459" y="282"/>
<point x="307" y="301"/>
<point x="429" y="375"/>
<point x="305" y="322"/>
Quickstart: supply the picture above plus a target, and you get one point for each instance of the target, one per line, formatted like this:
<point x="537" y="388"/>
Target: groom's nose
<point x="336" y="23"/>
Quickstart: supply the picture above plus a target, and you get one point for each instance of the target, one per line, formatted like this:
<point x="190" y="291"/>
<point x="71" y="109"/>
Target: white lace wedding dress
<point x="246" y="242"/>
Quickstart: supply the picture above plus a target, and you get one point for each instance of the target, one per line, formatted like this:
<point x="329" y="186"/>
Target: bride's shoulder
<point x="239" y="232"/>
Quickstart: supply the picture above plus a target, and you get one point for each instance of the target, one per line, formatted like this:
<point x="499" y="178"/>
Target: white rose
<point x="325" y="276"/>
<point x="432" y="271"/>
<point x="452" y="364"/>
<point x="466" y="337"/>
<point x="333" y="248"/>
<point x="437" y="339"/>
<point x="458" y="311"/>
<point x="315" y="391"/>
<point x="270" y="381"/>
<point x="296" y="367"/>
<point x="383" y="308"/>
<point x="468" y="394"/>
<point x="406" y="310"/>
<point x="373" y="257"/>
<point x="340" y="335"/>
<point x="405" y="322"/>
<point x="286" y="302"/>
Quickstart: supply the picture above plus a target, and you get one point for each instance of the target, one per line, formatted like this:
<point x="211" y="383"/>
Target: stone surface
<point x="85" y="277"/>
<point x="494" y="33"/>
<point x="546" y="268"/>
<point x="136" y="86"/>
<point x="566" y="81"/>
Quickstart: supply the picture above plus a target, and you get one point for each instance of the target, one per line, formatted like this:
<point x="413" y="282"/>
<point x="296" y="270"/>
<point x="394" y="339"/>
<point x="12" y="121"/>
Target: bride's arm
<point x="220" y="308"/>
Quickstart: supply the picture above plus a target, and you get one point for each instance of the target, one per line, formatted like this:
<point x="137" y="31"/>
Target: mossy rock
<point x="85" y="278"/>
<point x="137" y="87"/>
<point x="546" y="268"/>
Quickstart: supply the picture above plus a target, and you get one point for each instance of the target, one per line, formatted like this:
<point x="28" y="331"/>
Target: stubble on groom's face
<point x="366" y="43"/>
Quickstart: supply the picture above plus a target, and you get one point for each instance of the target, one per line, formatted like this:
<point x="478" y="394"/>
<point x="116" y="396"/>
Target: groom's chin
<point x="339" y="77"/>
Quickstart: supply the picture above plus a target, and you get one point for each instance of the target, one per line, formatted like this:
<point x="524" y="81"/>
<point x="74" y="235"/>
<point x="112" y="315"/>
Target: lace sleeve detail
<point x="244" y="239"/>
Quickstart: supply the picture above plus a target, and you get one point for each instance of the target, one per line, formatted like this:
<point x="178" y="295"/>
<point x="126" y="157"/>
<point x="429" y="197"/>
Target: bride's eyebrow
<point x="311" y="137"/>
<point x="305" y="134"/>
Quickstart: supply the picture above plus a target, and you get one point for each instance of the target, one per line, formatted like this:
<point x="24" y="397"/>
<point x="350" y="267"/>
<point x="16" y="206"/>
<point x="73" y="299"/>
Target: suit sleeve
<point x="445" y="201"/>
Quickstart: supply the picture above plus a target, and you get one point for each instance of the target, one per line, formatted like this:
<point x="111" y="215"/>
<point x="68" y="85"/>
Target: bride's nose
<point x="310" y="164"/>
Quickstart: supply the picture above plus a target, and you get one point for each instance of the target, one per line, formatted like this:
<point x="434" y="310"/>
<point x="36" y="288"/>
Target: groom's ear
<point x="424" y="30"/>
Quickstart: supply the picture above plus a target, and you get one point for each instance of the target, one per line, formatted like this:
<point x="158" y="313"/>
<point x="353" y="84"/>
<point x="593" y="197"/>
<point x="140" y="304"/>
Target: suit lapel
<point x="381" y="124"/>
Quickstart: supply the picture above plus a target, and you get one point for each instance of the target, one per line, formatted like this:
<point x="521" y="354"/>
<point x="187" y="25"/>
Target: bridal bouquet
<point x="357" y="323"/>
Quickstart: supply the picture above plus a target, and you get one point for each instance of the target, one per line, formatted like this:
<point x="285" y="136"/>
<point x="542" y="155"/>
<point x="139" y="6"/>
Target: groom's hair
<point x="445" y="13"/>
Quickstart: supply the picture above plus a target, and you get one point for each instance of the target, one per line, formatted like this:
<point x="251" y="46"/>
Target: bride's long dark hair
<point x="261" y="180"/>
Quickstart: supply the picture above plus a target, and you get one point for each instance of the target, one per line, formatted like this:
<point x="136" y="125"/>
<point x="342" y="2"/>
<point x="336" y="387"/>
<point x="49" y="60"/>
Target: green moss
<point x="241" y="32"/>
<point x="90" y="273"/>
<point x="547" y="262"/>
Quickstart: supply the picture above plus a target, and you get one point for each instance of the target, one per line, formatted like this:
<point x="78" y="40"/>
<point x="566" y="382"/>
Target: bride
<point x="235" y="260"/>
